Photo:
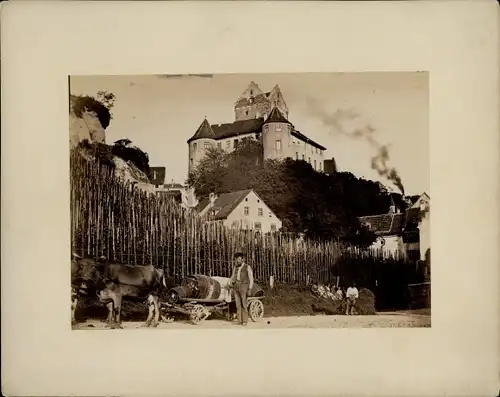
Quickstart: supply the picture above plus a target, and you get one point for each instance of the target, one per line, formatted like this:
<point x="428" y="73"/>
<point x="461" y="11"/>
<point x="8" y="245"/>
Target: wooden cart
<point x="200" y="296"/>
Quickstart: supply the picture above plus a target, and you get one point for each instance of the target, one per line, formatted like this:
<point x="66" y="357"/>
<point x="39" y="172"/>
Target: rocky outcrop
<point x="128" y="172"/>
<point x="84" y="125"/>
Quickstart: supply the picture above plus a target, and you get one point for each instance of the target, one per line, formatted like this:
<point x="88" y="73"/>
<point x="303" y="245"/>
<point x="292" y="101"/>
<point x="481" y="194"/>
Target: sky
<point x="345" y="112"/>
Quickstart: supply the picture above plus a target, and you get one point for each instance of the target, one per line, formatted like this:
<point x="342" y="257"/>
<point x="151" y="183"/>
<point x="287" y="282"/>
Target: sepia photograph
<point x="261" y="201"/>
<point x="264" y="205"/>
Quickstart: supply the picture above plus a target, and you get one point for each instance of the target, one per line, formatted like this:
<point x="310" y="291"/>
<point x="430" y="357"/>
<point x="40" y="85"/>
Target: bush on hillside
<point x="136" y="156"/>
<point x="84" y="103"/>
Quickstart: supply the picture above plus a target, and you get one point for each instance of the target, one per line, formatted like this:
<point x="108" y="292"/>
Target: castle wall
<point x="228" y="144"/>
<point x="254" y="111"/>
<point x="289" y="146"/>
<point x="300" y="150"/>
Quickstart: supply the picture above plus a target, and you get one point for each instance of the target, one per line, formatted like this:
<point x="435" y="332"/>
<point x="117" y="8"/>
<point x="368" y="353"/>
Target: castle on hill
<point x="262" y="116"/>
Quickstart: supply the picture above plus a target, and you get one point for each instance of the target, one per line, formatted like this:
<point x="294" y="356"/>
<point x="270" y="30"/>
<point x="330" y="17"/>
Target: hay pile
<point x="365" y="304"/>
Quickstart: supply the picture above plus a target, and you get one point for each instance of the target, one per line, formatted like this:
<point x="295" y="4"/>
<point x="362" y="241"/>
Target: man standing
<point x="352" y="294"/>
<point x="242" y="283"/>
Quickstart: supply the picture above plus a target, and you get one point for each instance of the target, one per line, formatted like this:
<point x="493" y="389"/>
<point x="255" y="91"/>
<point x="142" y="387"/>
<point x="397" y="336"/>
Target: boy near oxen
<point x="242" y="284"/>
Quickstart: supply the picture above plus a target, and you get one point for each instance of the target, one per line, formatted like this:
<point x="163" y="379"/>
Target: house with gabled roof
<point x="243" y="209"/>
<point x="262" y="116"/>
<point x="401" y="233"/>
<point x="422" y="201"/>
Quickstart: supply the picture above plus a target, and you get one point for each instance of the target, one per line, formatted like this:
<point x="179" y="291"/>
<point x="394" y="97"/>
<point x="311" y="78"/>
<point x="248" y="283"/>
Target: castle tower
<point x="255" y="104"/>
<point x="203" y="139"/>
<point x="276" y="100"/>
<point x="276" y="136"/>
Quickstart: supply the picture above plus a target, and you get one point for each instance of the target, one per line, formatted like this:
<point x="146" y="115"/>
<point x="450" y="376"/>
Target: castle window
<point x="278" y="145"/>
<point x="219" y="145"/>
<point x="257" y="225"/>
<point x="194" y="146"/>
<point x="309" y="160"/>
<point x="278" y="128"/>
<point x="303" y="157"/>
<point x="191" y="160"/>
<point x="296" y="155"/>
<point x="314" y="164"/>
<point x="235" y="143"/>
<point x="251" y="92"/>
<point x="246" y="112"/>
<point x="228" y="144"/>
<point x="246" y="210"/>
<point x="261" y="212"/>
<point x="207" y="145"/>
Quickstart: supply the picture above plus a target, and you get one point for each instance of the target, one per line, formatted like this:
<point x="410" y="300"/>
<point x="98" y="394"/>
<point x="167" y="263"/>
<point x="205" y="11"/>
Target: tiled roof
<point x="203" y="131"/>
<point x="225" y="203"/>
<point x="243" y="127"/>
<point x="392" y="224"/>
<point x="236" y="128"/>
<point x="301" y="136"/>
<point x="276" y="117"/>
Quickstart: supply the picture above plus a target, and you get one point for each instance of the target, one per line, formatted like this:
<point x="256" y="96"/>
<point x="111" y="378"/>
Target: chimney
<point x="330" y="166"/>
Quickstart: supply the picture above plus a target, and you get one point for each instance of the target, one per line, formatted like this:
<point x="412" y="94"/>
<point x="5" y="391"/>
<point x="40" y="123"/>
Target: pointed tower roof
<point x="203" y="131"/>
<point x="276" y="117"/>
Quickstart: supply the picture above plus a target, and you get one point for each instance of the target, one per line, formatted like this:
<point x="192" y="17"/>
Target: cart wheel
<point x="256" y="310"/>
<point x="198" y="314"/>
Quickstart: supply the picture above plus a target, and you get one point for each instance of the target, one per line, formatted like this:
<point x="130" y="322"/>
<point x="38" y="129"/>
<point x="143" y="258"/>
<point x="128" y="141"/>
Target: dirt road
<point x="384" y="320"/>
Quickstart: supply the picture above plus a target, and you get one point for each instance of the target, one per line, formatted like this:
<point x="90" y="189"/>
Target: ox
<point x="114" y="282"/>
<point x="82" y="283"/>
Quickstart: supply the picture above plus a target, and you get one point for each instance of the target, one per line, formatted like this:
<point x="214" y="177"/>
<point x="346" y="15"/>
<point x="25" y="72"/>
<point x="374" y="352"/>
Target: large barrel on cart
<point x="200" y="295"/>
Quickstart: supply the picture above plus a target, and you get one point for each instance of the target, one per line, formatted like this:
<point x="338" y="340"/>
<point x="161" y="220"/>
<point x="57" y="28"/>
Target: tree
<point x="321" y="205"/>
<point x="106" y="98"/>
<point x="209" y="174"/>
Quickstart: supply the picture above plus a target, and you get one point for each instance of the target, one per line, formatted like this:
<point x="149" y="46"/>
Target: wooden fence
<point x="118" y="220"/>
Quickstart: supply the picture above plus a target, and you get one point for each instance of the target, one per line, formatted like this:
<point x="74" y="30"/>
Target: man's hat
<point x="239" y="254"/>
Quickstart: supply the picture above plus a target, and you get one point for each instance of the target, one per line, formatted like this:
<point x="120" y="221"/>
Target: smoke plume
<point x="348" y="123"/>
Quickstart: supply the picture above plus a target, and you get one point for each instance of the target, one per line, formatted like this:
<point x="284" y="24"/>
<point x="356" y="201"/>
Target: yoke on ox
<point x="114" y="282"/>
<point x="198" y="296"/>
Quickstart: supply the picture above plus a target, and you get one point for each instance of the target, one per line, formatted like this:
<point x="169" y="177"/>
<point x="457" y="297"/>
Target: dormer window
<point x="194" y="146"/>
